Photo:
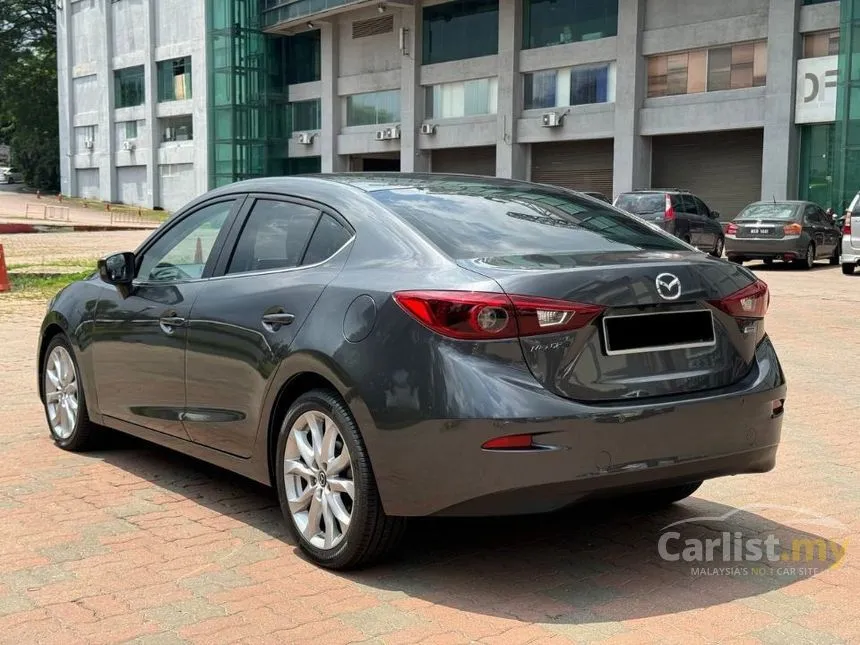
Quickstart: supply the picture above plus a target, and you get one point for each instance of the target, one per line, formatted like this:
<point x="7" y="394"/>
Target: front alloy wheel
<point x="326" y="486"/>
<point x="718" y="247"/>
<point x="63" y="393"/>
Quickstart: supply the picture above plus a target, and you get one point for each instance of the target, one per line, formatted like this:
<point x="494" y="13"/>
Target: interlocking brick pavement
<point x="136" y="544"/>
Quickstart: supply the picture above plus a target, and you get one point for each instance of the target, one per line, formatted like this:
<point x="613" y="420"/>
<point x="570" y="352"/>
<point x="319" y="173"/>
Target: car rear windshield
<point x="477" y="220"/>
<point x="768" y="211"/>
<point x="641" y="203"/>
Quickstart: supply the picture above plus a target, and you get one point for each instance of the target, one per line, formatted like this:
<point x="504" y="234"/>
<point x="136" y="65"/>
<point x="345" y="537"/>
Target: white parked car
<point x="12" y="176"/>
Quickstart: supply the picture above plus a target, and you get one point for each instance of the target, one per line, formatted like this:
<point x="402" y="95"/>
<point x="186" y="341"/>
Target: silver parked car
<point x="13" y="176"/>
<point x="791" y="231"/>
<point x="851" y="237"/>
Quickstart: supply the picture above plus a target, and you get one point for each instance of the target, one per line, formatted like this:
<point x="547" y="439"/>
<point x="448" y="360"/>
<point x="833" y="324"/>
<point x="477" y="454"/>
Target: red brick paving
<point x="136" y="544"/>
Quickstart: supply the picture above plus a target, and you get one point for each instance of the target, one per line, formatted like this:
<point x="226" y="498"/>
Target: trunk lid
<point x="630" y="350"/>
<point x="768" y="229"/>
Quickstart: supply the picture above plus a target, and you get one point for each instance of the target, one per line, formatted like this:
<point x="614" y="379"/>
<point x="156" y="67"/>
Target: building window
<point x="305" y="115"/>
<point x="821" y="43"/>
<point x="708" y="70"/>
<point x="557" y="22"/>
<point x="373" y="108"/>
<point x="302" y="62"/>
<point x="177" y="128"/>
<point x="582" y="85"/>
<point x="130" y="129"/>
<point x="458" y="30"/>
<point x="465" y="98"/>
<point x="129" y="87"/>
<point x="174" y="79"/>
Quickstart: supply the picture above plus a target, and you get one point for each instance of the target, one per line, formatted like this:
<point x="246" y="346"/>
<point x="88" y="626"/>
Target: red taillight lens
<point x="731" y="228"/>
<point x="846" y="225"/>
<point x="670" y="210"/>
<point x="750" y="302"/>
<point x="511" y="442"/>
<point x="792" y="229"/>
<point x="471" y="315"/>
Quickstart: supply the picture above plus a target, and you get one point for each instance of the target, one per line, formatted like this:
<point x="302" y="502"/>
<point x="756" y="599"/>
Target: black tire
<point x="768" y="262"/>
<point x="735" y="259"/>
<point x="371" y="534"/>
<point x="848" y="268"/>
<point x="808" y="260"/>
<point x="834" y="259"/>
<point x="665" y="496"/>
<point x="85" y="434"/>
<point x="719" y="245"/>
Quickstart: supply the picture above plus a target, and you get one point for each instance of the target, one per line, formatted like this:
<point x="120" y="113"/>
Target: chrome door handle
<point x="274" y="321"/>
<point x="169" y="323"/>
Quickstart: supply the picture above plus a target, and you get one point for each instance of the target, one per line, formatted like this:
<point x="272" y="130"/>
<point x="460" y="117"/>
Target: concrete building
<point x="163" y="99"/>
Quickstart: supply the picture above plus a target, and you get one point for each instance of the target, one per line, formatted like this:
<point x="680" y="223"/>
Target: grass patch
<point x="145" y="213"/>
<point x="44" y="285"/>
<point x="40" y="267"/>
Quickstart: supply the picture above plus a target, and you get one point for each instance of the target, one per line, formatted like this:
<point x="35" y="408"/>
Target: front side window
<point x="373" y="108"/>
<point x="458" y="30"/>
<point x="177" y="128"/>
<point x="274" y="236"/>
<point x="129" y="87"/>
<point x="708" y="70"/>
<point x="581" y="85"/>
<point x="465" y="98"/>
<point x="174" y="79"/>
<point x="184" y="249"/>
<point x="558" y="22"/>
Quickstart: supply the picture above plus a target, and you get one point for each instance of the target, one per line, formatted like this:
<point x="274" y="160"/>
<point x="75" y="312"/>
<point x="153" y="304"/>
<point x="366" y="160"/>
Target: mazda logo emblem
<point x="668" y="286"/>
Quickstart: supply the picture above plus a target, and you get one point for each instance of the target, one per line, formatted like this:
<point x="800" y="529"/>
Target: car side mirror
<point x="117" y="269"/>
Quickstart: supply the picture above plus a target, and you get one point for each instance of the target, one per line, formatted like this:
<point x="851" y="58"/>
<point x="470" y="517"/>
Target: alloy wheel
<point x="61" y="392"/>
<point x="318" y="480"/>
<point x="810" y="256"/>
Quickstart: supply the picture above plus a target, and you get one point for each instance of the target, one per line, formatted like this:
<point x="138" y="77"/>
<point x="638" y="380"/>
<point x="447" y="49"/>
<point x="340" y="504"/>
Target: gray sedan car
<point x="791" y="231"/>
<point x="377" y="347"/>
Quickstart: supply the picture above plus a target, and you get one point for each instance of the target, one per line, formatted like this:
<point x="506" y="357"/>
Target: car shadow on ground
<point x="588" y="564"/>
<point x="790" y="266"/>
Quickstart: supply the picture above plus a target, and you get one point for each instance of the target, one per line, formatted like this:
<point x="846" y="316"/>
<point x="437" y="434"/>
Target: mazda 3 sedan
<point x="383" y="346"/>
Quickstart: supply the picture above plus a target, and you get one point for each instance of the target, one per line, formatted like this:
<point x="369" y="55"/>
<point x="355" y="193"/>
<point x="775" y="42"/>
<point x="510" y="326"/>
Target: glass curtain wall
<point x="848" y="105"/>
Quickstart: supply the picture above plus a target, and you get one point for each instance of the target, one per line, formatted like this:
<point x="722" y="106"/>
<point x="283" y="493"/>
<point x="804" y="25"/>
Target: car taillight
<point x="750" y="302"/>
<point x="472" y="315"/>
<point x="669" y="214"/>
<point x="792" y="229"/>
<point x="731" y="228"/>
<point x="846" y="225"/>
<point x="510" y="442"/>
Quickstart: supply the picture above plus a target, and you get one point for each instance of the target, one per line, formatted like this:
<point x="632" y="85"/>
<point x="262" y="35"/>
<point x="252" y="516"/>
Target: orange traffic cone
<point x="198" y="252"/>
<point x="5" y="285"/>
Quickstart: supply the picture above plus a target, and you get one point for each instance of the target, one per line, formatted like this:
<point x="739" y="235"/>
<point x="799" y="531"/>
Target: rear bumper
<point x="850" y="254"/>
<point x="439" y="467"/>
<point x="761" y="249"/>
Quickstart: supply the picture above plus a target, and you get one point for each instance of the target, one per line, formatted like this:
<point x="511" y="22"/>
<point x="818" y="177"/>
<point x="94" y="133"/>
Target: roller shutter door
<point x="722" y="168"/>
<point x="470" y="161"/>
<point x="578" y="165"/>
<point x="131" y="184"/>
<point x="176" y="186"/>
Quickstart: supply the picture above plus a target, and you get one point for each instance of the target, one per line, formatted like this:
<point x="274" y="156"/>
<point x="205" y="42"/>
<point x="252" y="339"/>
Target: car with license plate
<point x="384" y="346"/>
<point x="850" y="227"/>
<point x="791" y="231"/>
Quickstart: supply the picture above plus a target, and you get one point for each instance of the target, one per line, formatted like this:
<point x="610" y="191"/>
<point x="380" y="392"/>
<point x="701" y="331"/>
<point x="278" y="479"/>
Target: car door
<point x="832" y="234"/>
<point x="814" y="226"/>
<point x="695" y="223"/>
<point x="246" y="318"/>
<point x="139" y="335"/>
<point x="711" y="227"/>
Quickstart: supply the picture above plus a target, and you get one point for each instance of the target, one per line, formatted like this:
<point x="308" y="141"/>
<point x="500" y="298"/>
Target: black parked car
<point x="680" y="213"/>
<point x="383" y="346"/>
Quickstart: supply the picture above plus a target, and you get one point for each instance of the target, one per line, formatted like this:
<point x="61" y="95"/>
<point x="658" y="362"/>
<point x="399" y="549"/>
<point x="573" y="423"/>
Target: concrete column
<point x="779" y="153"/>
<point x="632" y="152"/>
<point x="153" y="136"/>
<point x="412" y="158"/>
<point x="510" y="155"/>
<point x="330" y="119"/>
<point x="106" y="128"/>
<point x="66" y="108"/>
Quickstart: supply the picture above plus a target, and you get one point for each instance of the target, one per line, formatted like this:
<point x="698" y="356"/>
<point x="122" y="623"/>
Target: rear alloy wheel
<point x="65" y="405"/>
<point x="808" y="259"/>
<point x="666" y="496"/>
<point x="848" y="268"/>
<point x="834" y="259"/>
<point x="718" y="247"/>
<point x="326" y="486"/>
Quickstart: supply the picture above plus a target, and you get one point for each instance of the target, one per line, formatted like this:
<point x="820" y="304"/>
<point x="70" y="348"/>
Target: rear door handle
<point x="169" y="323"/>
<point x="274" y="321"/>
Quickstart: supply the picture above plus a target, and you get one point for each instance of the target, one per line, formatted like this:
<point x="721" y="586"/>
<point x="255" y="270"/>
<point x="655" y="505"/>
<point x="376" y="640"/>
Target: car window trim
<point x="217" y="247"/>
<point x="231" y="243"/>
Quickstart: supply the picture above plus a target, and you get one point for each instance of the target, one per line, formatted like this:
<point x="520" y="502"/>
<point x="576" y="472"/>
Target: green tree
<point x="28" y="89"/>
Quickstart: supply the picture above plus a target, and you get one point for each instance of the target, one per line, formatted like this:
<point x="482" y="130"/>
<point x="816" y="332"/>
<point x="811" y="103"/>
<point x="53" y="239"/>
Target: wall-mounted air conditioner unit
<point x="392" y="133"/>
<point x="380" y="135"/>
<point x="552" y="119"/>
<point x="428" y="128"/>
<point x="89" y="144"/>
<point x="128" y="145"/>
<point x="306" y="138"/>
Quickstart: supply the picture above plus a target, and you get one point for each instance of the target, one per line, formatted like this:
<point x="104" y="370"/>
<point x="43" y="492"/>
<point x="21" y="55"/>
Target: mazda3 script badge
<point x="383" y="346"/>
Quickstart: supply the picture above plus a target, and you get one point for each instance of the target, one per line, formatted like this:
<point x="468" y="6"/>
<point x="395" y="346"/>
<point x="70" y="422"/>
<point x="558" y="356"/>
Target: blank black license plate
<point x="658" y="331"/>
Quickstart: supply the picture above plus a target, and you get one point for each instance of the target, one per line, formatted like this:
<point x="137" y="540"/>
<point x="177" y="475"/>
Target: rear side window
<point x="641" y="203"/>
<point x="329" y="236"/>
<point x="274" y="236"/>
<point x="472" y="220"/>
